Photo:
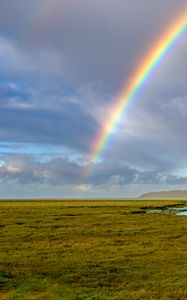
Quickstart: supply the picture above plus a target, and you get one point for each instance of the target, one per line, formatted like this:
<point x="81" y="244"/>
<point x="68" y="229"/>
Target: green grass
<point x="95" y="250"/>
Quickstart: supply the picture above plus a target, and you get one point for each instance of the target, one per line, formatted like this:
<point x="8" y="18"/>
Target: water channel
<point x="182" y="213"/>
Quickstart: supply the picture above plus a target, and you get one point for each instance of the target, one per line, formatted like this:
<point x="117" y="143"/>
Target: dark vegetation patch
<point x="20" y="223"/>
<point x="138" y="212"/>
<point x="6" y="280"/>
<point x="165" y="207"/>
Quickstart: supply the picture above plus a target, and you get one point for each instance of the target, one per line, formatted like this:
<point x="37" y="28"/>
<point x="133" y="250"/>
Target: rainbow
<point x="143" y="73"/>
<point x="43" y="12"/>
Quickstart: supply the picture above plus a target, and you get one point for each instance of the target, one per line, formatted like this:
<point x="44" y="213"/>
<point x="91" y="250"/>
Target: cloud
<point x="63" y="69"/>
<point x="70" y="127"/>
<point x="41" y="111"/>
<point x="93" y="41"/>
<point x="23" y="169"/>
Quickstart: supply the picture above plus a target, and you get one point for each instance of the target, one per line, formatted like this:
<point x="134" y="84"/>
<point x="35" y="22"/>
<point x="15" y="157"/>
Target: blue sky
<point x="62" y="67"/>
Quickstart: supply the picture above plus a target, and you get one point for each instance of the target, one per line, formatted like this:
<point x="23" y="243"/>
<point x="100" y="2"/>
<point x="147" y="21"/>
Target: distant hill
<point x="177" y="194"/>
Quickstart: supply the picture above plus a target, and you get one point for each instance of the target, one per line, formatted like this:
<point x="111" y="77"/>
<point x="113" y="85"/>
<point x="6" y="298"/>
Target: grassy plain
<point x="96" y="250"/>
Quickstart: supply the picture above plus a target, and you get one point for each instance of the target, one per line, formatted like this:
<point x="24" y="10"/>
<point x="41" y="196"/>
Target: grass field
<point x="91" y="250"/>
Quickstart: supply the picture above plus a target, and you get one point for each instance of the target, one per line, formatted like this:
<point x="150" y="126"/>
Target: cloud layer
<point x="63" y="66"/>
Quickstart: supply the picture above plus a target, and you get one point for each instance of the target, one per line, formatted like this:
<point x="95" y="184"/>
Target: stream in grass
<point x="182" y="211"/>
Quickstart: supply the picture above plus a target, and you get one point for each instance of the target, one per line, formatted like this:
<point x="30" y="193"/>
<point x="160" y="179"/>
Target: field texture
<point x="91" y="250"/>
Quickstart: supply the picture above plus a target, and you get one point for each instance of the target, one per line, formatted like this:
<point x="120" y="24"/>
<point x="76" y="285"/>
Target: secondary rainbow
<point x="43" y="12"/>
<point x="143" y="73"/>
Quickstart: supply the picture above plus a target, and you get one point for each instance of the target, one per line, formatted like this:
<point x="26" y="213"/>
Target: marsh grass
<point x="96" y="250"/>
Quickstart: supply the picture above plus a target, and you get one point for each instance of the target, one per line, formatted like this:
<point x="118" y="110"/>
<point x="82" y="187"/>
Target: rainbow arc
<point x="130" y="92"/>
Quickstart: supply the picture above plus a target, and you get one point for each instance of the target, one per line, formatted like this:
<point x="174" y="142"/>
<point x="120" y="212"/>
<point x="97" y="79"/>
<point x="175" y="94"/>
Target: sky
<point x="63" y="65"/>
